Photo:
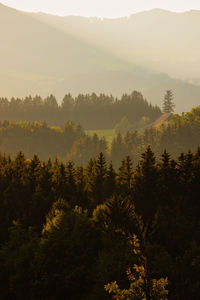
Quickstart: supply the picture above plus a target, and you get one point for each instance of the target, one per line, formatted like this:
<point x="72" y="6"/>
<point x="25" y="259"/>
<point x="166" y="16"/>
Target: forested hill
<point x="90" y="110"/>
<point x="70" y="142"/>
<point x="180" y="133"/>
<point x="40" y="58"/>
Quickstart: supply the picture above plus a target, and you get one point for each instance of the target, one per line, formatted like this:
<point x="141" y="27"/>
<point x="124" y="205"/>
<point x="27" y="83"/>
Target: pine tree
<point x="145" y="186"/>
<point x="110" y="182"/>
<point x="125" y="175"/>
<point x="168" y="104"/>
<point x="168" y="179"/>
<point x="96" y="175"/>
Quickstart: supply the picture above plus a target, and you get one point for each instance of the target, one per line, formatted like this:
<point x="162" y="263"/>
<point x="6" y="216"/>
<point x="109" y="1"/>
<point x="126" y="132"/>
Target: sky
<point x="100" y="8"/>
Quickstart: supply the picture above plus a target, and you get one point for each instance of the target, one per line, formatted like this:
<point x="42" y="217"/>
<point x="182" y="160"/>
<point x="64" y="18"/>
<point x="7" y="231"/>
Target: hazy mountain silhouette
<point x="164" y="41"/>
<point x="45" y="54"/>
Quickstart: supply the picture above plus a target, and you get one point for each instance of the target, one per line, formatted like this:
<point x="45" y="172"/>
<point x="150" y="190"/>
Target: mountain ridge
<point x="160" y="40"/>
<point x="38" y="58"/>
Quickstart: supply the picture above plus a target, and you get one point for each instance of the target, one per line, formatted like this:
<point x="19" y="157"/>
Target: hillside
<point x="35" y="52"/>
<point x="161" y="40"/>
<point x="42" y="57"/>
<point x="33" y="47"/>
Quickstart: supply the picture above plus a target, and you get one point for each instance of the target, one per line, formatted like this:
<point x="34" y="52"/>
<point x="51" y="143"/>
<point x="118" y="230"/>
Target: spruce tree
<point x="96" y="180"/>
<point x="125" y="175"/>
<point x="168" y="104"/>
<point x="145" y="186"/>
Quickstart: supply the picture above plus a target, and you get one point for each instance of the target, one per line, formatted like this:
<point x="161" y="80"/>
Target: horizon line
<point x="101" y="17"/>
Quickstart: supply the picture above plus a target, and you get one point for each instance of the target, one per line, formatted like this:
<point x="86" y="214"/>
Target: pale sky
<point x="100" y="8"/>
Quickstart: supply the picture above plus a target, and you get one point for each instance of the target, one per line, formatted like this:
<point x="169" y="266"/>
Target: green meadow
<point x="109" y="134"/>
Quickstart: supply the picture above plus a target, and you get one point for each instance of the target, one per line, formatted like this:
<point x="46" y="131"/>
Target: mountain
<point x="158" y="39"/>
<point x="35" y="52"/>
<point x="32" y="46"/>
<point x="43" y="54"/>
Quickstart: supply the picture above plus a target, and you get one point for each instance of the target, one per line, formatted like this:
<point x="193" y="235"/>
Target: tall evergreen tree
<point x="168" y="104"/>
<point x="145" y="187"/>
<point x="125" y="175"/>
<point x="97" y="181"/>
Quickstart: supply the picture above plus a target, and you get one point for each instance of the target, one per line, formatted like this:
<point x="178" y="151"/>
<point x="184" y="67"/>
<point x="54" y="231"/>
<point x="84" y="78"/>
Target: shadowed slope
<point x="41" y="58"/>
<point x="162" y="40"/>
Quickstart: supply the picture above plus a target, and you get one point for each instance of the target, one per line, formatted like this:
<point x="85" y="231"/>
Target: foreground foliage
<point x="141" y="286"/>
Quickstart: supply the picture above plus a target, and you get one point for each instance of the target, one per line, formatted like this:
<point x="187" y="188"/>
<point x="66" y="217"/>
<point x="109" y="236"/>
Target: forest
<point x="99" y="150"/>
<point x="97" y="232"/>
<point x="84" y="218"/>
<point x="90" y="110"/>
<point x="70" y="142"/>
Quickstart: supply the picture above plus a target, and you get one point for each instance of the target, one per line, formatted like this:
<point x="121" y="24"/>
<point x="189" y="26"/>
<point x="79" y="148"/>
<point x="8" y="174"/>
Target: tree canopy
<point x="69" y="232"/>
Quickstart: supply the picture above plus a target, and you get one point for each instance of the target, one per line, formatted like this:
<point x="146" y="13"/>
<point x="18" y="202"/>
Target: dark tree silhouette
<point x="168" y="104"/>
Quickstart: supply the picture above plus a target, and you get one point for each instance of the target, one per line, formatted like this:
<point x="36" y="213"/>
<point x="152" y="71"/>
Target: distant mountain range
<point x="43" y="54"/>
<point x="158" y="39"/>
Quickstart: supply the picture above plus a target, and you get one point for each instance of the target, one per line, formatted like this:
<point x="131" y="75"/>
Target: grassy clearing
<point x="109" y="134"/>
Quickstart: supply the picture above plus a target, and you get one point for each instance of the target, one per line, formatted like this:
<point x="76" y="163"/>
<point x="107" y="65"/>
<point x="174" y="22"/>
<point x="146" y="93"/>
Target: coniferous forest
<point x="70" y="141"/>
<point x="90" y="110"/>
<point x="99" y="232"/>
<point x="85" y="219"/>
<point x="99" y="150"/>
